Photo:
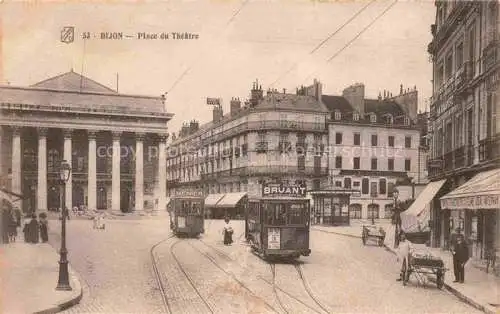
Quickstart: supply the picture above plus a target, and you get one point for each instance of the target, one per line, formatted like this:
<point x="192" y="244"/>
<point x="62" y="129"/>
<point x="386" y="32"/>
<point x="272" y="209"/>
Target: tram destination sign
<point x="293" y="190"/>
<point x="182" y="193"/>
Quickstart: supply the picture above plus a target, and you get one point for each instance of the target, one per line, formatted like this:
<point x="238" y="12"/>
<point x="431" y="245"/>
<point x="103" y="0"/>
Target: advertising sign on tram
<point x="181" y="222"/>
<point x="273" y="238"/>
<point x="288" y="190"/>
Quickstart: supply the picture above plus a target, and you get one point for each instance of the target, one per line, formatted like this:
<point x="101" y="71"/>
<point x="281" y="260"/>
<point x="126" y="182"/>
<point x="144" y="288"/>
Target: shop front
<point x="231" y="205"/>
<point x="474" y="212"/>
<point x="331" y="207"/>
<point x="210" y="202"/>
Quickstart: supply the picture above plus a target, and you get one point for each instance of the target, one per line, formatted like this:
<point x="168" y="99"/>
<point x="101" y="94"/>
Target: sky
<point x="238" y="42"/>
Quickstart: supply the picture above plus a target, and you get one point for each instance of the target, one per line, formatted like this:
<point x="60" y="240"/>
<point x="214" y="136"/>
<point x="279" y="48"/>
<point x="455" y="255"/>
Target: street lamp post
<point x="63" y="282"/>
<point x="397" y="218"/>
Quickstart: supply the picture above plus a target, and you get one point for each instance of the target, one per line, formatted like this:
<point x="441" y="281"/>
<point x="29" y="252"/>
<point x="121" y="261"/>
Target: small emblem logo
<point x="68" y="34"/>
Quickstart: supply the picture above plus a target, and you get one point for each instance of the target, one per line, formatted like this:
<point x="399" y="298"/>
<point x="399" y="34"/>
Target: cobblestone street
<point x="204" y="276"/>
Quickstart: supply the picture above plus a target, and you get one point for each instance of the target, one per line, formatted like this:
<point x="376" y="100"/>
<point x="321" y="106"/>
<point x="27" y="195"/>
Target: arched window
<point x="338" y="115"/>
<point x="29" y="160"/>
<point x="407" y="121"/>
<point x="53" y="160"/>
<point x="355" y="211"/>
<point x="373" y="118"/>
<point x="373" y="211"/>
<point x="355" y="116"/>
<point x="347" y="183"/>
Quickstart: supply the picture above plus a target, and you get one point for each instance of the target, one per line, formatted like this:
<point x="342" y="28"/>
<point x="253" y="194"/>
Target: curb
<point x="454" y="291"/>
<point x="65" y="304"/>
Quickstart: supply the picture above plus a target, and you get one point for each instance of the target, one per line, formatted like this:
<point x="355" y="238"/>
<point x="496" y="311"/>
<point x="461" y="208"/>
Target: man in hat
<point x="460" y="257"/>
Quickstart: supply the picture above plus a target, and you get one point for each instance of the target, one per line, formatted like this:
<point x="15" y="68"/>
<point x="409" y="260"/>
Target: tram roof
<point x="279" y="198"/>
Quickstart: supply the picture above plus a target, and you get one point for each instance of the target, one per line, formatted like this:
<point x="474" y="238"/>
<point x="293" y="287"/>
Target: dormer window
<point x="355" y="116"/>
<point x="407" y="121"/>
<point x="373" y="118"/>
<point x="338" y="115"/>
<point x="390" y="119"/>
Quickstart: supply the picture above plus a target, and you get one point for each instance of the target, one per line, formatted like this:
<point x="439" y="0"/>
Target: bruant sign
<point x="293" y="190"/>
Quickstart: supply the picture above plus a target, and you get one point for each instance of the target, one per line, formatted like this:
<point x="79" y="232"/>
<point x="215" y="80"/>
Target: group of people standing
<point x="34" y="228"/>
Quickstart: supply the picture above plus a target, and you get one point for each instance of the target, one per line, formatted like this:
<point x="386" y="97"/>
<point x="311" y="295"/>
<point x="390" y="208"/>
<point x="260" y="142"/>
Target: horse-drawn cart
<point x="373" y="232"/>
<point x="423" y="264"/>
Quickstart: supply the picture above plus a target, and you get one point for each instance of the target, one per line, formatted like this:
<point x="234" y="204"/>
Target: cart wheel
<point x="440" y="280"/>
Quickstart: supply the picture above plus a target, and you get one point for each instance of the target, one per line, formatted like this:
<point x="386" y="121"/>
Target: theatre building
<point x="115" y="144"/>
<point x="464" y="122"/>
<point x="276" y="137"/>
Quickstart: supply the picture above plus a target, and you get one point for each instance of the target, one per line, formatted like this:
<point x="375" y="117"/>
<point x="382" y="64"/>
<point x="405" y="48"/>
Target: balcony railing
<point x="267" y="170"/>
<point x="489" y="149"/>
<point x="490" y="54"/>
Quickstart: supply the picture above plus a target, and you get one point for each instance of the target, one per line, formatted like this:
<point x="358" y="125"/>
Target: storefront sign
<point x="283" y="190"/>
<point x="472" y="202"/>
<point x="273" y="238"/>
<point x="181" y="193"/>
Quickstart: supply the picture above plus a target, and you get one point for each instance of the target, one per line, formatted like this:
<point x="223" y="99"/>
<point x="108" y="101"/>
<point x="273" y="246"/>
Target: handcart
<point x="373" y="232"/>
<point x="422" y="264"/>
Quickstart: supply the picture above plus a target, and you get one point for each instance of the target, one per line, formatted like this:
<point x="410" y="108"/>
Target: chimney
<point x="408" y="101"/>
<point x="284" y="90"/>
<point x="355" y="95"/>
<point x="193" y="126"/>
<point x="401" y="89"/>
<point x="235" y="105"/>
<point x="256" y="94"/>
<point x="217" y="114"/>
<point x="315" y="90"/>
<point x="379" y="96"/>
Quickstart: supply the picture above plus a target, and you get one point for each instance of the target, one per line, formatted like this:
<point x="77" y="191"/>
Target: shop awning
<point x="480" y="192"/>
<point x="212" y="199"/>
<point x="230" y="199"/>
<point x="419" y="212"/>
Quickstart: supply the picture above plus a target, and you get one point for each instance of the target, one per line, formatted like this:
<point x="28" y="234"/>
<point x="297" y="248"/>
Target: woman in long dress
<point x="33" y="227"/>
<point x="44" y="227"/>
<point x="26" y="228"/>
<point x="228" y="233"/>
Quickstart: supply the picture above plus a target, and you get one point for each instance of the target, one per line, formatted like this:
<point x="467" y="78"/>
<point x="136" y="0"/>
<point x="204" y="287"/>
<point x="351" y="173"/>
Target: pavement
<point x="481" y="290"/>
<point x="28" y="278"/>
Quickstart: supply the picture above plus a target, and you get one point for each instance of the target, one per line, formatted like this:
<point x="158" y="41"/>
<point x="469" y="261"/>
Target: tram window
<point x="196" y="208"/>
<point x="296" y="214"/>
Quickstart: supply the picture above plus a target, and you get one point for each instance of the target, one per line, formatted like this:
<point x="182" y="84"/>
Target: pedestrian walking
<point x="404" y="250"/>
<point x="228" y="232"/>
<point x="460" y="257"/>
<point x="12" y="226"/>
<point x="44" y="227"/>
<point x="34" y="229"/>
<point x="5" y="223"/>
<point x="26" y="229"/>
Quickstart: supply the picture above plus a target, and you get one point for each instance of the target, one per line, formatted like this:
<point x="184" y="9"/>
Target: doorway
<point x="126" y="197"/>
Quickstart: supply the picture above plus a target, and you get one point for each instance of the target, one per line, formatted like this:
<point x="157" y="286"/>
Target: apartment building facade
<point x="464" y="122"/>
<point x="276" y="137"/>
<point x="374" y="145"/>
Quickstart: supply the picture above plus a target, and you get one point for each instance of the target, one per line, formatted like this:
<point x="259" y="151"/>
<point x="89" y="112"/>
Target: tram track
<point x="275" y="291"/>
<point x="156" y="271"/>
<point x="276" y="288"/>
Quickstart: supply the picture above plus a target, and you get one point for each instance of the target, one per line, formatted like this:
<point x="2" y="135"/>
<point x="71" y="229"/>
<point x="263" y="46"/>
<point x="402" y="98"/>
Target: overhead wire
<point x="231" y="19"/>
<point x="326" y="39"/>
<point x="338" y="52"/>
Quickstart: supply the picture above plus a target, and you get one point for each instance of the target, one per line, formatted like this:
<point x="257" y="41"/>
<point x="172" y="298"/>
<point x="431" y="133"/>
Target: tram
<point x="186" y="213"/>
<point x="277" y="224"/>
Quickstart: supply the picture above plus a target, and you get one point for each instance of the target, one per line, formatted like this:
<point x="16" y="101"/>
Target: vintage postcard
<point x="249" y="156"/>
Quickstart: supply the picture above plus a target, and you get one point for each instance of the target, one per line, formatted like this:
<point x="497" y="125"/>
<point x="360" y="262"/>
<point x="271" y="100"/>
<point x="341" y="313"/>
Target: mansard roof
<point x="276" y="100"/>
<point x="72" y="81"/>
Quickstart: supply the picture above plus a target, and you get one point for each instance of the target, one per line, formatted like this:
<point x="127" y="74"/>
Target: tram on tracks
<point x="186" y="213"/>
<point x="277" y="225"/>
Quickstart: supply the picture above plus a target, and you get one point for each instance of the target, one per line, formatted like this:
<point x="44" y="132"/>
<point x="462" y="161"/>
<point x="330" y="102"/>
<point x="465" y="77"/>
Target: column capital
<point x="91" y="134"/>
<point x="67" y="133"/>
<point x="16" y="130"/>
<point x="139" y="136"/>
<point x="42" y="132"/>
<point x="164" y="137"/>
<point x="116" y="135"/>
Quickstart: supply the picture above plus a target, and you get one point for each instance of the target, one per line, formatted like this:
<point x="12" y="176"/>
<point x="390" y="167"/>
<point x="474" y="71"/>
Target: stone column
<point x="92" y="171"/>
<point x="115" y="176"/>
<point x="162" y="172"/>
<point x="68" y="156"/>
<point x="42" y="170"/>
<point x="139" y="172"/>
<point x="16" y="162"/>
